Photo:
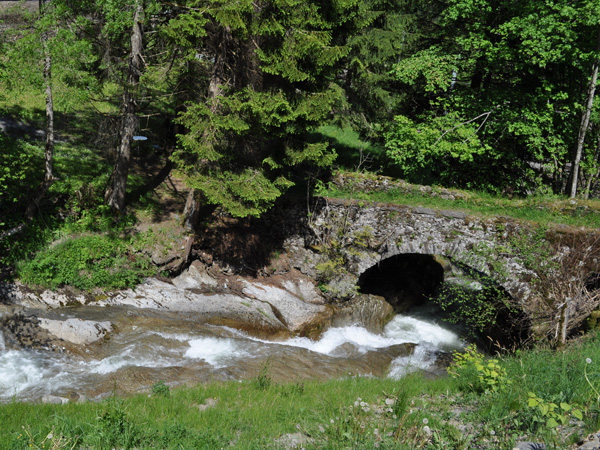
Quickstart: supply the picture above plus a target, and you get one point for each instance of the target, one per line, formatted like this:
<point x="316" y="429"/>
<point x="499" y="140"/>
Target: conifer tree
<point x="271" y="67"/>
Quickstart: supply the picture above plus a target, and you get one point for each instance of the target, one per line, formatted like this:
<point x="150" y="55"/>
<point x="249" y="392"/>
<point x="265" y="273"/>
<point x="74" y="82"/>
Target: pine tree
<point x="271" y="68"/>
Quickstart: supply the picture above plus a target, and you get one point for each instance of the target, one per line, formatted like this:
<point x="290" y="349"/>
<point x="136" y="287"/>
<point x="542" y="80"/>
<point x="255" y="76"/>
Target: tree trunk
<point x="593" y="177"/>
<point x="115" y="193"/>
<point x="219" y="47"/>
<point x="585" y="120"/>
<point x="33" y="205"/>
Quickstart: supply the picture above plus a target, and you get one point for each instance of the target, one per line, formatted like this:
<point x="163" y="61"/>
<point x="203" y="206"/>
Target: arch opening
<point x="405" y="280"/>
<point x="453" y="292"/>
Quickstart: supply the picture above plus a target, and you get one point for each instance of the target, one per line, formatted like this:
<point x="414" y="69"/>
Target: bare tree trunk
<point x="585" y="120"/>
<point x="564" y="321"/>
<point x="115" y="193"/>
<point x="33" y="205"/>
<point x="593" y="177"/>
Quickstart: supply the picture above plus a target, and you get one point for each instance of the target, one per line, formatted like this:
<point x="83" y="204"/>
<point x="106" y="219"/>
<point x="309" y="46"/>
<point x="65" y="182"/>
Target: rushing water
<point x="139" y="356"/>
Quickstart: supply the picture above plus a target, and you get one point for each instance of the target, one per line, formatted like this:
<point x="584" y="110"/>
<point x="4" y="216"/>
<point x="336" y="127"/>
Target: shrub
<point x="86" y="262"/>
<point x="476" y="373"/>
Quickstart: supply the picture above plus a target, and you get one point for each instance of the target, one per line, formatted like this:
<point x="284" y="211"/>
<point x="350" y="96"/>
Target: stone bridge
<point x="356" y="246"/>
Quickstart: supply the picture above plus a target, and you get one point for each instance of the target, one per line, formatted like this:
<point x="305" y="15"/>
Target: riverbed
<point x="145" y="348"/>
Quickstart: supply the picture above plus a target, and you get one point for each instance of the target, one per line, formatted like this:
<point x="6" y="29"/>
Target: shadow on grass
<point x="353" y="152"/>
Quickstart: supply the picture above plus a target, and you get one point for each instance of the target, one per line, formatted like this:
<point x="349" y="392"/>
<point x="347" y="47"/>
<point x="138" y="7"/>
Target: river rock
<point x="293" y="441"/>
<point x="279" y="307"/>
<point x="196" y="276"/>
<point x="369" y="311"/>
<point x="259" y="309"/>
<point x="21" y="330"/>
<point x="76" y="331"/>
<point x="529" y="446"/>
<point x="293" y="310"/>
<point x="54" y="400"/>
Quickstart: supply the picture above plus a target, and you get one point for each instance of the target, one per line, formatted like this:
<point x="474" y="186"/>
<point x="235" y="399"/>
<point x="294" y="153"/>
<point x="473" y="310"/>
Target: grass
<point x="544" y="210"/>
<point x="353" y="152"/>
<point x="355" y="412"/>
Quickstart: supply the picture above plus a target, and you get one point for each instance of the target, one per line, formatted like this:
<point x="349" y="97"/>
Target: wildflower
<point x="588" y="360"/>
<point x="366" y="409"/>
<point x="50" y="436"/>
<point x="331" y="421"/>
<point x="356" y="403"/>
<point x="395" y="416"/>
<point x="425" y="421"/>
<point x="492" y="432"/>
<point x="363" y="404"/>
<point x="389" y="401"/>
<point x="376" y="431"/>
<point x="427" y="430"/>
<point x="321" y="429"/>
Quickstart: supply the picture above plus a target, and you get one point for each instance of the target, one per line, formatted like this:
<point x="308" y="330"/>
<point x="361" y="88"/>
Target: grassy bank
<point x="545" y="210"/>
<point x="540" y="395"/>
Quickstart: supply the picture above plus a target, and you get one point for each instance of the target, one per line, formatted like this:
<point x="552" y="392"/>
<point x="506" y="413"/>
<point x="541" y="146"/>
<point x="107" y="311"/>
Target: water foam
<point x="129" y="358"/>
<point x="400" y="330"/>
<point x="420" y="331"/>
<point x="216" y="351"/>
<point x="25" y="372"/>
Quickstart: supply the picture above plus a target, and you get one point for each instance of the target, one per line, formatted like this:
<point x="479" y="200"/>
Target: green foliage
<point x="550" y="414"/>
<point x="115" y="427"/>
<point x="247" y="143"/>
<point x="86" y="262"/>
<point x="393" y="31"/>
<point x="329" y="269"/>
<point x="443" y="149"/>
<point x="476" y="301"/>
<point x="18" y="160"/>
<point x="353" y="152"/>
<point x="476" y="373"/>
<point x="431" y="67"/>
<point x="263" y="380"/>
<point x="160" y="389"/>
<point x="534" y="250"/>
<point x="72" y="56"/>
<point x="505" y="69"/>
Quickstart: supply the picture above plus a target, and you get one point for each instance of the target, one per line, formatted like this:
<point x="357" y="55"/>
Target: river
<point x="149" y="348"/>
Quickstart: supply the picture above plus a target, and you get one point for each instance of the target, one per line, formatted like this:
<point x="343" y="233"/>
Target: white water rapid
<point x="179" y="355"/>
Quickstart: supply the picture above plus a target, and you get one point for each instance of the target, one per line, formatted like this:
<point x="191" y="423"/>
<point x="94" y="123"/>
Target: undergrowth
<point x="86" y="262"/>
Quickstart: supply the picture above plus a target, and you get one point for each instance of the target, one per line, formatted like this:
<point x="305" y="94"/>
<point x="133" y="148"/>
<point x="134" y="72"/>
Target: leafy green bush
<point x="115" y="428"/>
<point x="18" y="160"/>
<point x="439" y="149"/>
<point x="476" y="373"/>
<point x="551" y="414"/>
<point x="160" y="389"/>
<point x="86" y="262"/>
